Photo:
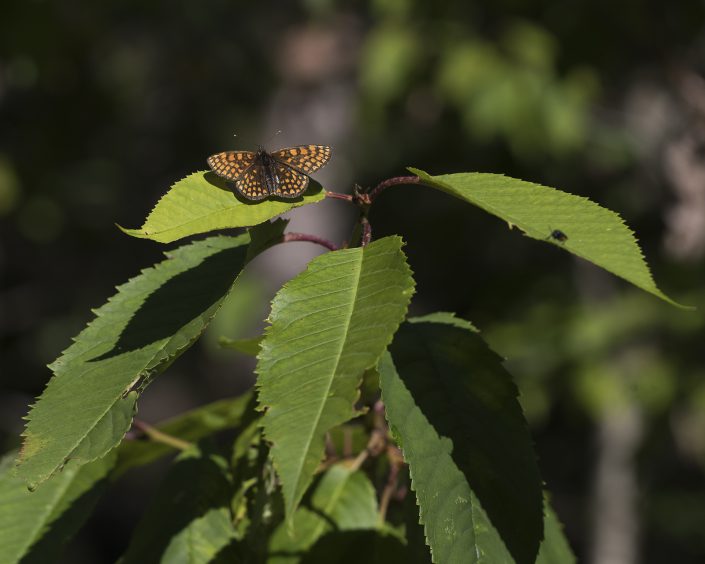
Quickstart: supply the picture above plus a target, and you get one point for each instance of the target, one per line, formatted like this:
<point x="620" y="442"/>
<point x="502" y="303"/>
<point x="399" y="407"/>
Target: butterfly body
<point x="260" y="174"/>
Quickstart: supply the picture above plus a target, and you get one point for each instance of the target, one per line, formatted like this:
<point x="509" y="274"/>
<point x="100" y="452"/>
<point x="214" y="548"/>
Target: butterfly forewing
<point x="231" y="165"/>
<point x="292" y="183"/>
<point x="251" y="183"/>
<point x="304" y="158"/>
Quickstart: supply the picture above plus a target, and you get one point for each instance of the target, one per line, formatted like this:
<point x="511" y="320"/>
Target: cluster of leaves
<point x="365" y="424"/>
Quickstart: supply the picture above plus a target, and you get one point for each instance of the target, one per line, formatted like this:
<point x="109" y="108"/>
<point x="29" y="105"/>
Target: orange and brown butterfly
<point x="258" y="174"/>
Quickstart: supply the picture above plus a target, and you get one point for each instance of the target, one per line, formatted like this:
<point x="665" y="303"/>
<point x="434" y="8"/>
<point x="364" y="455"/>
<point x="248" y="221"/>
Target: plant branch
<point x="339" y="196"/>
<point x="158" y="436"/>
<point x="377" y="190"/>
<point x="292" y="237"/>
<point x="396" y="461"/>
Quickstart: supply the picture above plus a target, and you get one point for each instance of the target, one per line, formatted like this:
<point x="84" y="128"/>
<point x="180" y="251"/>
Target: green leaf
<point x="265" y="235"/>
<point x="190" y="426"/>
<point x="594" y="233"/>
<point x="188" y="519"/>
<point x="343" y="500"/>
<point x="245" y="346"/>
<point x="328" y="325"/>
<point x="554" y="548"/>
<point x="87" y="406"/>
<point x="35" y="525"/>
<point x="353" y="547"/>
<point x="202" y="202"/>
<point x="454" y="409"/>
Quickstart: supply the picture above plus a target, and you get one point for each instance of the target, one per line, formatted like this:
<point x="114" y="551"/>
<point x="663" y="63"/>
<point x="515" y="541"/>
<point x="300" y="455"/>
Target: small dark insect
<point x="559" y="236"/>
<point x="282" y="173"/>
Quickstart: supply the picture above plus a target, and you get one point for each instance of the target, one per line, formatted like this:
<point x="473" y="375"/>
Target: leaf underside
<point x="593" y="233"/>
<point x="328" y="325"/>
<point x="203" y="202"/>
<point x="88" y="404"/>
<point x="454" y="410"/>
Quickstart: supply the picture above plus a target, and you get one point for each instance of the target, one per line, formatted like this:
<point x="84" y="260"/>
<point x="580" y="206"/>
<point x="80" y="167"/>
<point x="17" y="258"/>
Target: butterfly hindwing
<point x="231" y="165"/>
<point x="291" y="183"/>
<point x="251" y="184"/>
<point x="304" y="158"/>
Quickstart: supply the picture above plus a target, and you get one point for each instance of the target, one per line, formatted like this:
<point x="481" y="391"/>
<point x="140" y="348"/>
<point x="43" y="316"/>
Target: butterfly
<point x="259" y="174"/>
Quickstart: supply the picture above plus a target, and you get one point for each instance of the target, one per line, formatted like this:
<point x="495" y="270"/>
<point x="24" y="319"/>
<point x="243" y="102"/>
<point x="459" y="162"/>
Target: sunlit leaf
<point x="592" y="232"/>
<point x="328" y="325"/>
<point x="203" y="202"/>
<point x="88" y="404"/>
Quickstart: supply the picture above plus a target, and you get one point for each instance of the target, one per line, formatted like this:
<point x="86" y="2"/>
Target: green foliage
<point x="336" y="342"/>
<point x="344" y="500"/>
<point x="190" y="426"/>
<point x="35" y="525"/>
<point x="328" y="326"/>
<point x="87" y="406"/>
<point x="249" y="347"/>
<point x="202" y="202"/>
<point x="189" y="519"/>
<point x="454" y="411"/>
<point x="593" y="232"/>
<point x="554" y="548"/>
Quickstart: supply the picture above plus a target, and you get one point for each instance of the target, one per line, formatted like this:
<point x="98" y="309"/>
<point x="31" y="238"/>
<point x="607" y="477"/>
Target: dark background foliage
<point x="103" y="105"/>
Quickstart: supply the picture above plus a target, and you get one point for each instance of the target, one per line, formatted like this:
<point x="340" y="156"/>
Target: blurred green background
<point x="104" y="104"/>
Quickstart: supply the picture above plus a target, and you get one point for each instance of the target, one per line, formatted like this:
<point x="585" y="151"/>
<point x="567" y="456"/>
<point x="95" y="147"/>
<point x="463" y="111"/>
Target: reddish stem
<point x="291" y="237"/>
<point x="338" y="196"/>
<point x="377" y="190"/>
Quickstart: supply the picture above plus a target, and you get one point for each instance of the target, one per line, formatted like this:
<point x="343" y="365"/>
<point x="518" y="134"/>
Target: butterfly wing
<point x="304" y="158"/>
<point x="291" y="183"/>
<point x="231" y="165"/>
<point x="251" y="183"/>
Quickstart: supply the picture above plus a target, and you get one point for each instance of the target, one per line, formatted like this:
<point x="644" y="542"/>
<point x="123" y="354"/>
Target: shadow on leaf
<point x="181" y="300"/>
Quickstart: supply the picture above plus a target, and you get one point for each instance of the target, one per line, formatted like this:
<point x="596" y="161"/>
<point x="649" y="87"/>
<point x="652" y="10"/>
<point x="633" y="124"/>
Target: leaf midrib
<point x="339" y="354"/>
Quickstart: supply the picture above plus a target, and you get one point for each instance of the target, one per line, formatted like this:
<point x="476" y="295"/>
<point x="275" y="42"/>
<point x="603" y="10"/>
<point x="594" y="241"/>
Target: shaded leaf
<point x="202" y="202"/>
<point x="455" y="412"/>
<point x="265" y="235"/>
<point x="87" y="406"/>
<point x="249" y="347"/>
<point x="353" y="547"/>
<point x="343" y="500"/>
<point x="34" y="526"/>
<point x="594" y="233"/>
<point x="328" y="325"/>
<point x="554" y="548"/>
<point x="190" y="426"/>
<point x="188" y="519"/>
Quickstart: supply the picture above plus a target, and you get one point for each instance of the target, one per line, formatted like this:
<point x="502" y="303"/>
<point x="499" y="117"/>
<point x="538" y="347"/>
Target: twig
<point x="291" y="237"/>
<point x="158" y="436"/>
<point x="377" y="190"/>
<point x="366" y="231"/>
<point x="395" y="463"/>
<point x="339" y="196"/>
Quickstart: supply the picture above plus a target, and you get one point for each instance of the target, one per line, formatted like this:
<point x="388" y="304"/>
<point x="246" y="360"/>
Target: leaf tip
<point x="139" y="233"/>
